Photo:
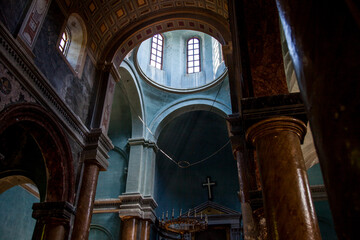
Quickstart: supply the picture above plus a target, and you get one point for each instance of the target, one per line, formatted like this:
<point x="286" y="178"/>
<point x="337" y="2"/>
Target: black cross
<point x="208" y="184"/>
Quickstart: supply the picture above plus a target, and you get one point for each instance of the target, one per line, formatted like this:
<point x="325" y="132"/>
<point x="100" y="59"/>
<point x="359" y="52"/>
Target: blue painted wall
<point x="15" y="214"/>
<point x="112" y="182"/>
<point x="181" y="188"/>
<point x="105" y="226"/>
<point x="322" y="208"/>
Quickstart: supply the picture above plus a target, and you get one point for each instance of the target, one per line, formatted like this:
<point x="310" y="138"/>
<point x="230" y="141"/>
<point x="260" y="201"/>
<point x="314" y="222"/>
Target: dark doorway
<point x="212" y="234"/>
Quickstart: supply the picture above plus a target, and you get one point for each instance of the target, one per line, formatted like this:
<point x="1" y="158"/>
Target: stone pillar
<point x="129" y="228"/>
<point x="287" y="200"/>
<point x="325" y="52"/>
<point x="86" y="201"/>
<point x="145" y="230"/>
<point x="241" y="155"/>
<point x="141" y="168"/>
<point x="135" y="209"/>
<point x="94" y="161"/>
<point x="52" y="220"/>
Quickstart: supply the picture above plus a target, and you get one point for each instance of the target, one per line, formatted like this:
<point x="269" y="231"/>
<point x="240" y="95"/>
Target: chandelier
<point x="184" y="224"/>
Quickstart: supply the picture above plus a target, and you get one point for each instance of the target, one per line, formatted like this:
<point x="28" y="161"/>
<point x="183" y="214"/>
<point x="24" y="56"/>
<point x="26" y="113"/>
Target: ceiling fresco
<point x="107" y="19"/>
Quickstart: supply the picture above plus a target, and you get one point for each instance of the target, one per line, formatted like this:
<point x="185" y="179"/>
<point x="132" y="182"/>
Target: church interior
<point x="196" y="120"/>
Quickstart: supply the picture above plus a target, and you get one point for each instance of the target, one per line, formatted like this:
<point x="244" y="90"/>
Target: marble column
<point x="145" y="230"/>
<point x="242" y="157"/>
<point x="86" y="201"/>
<point x="129" y="228"/>
<point x="323" y="38"/>
<point x="95" y="160"/>
<point x="52" y="220"/>
<point x="288" y="206"/>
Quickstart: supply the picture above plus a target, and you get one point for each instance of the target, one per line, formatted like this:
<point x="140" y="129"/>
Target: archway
<point x="198" y="142"/>
<point x="35" y="149"/>
<point x="34" y="121"/>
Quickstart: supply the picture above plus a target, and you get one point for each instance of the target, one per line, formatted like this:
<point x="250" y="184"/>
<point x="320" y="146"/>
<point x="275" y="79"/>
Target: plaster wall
<point x="105" y="227"/>
<point x="15" y="214"/>
<point x="76" y="92"/>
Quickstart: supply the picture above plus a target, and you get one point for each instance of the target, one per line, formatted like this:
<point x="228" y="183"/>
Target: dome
<point x="181" y="61"/>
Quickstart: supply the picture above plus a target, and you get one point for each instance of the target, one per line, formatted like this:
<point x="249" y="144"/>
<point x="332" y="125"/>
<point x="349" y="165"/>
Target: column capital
<point x="260" y="108"/>
<point x="96" y="148"/>
<point x="135" y="205"/>
<point x="142" y="141"/>
<point x="59" y="211"/>
<point x="236" y="131"/>
<point x="275" y="125"/>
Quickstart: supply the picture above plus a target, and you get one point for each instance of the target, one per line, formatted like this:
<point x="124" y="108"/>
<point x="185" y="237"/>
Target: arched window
<point x="157" y="44"/>
<point x="72" y="43"/>
<point x="65" y="42"/>
<point x="193" y="55"/>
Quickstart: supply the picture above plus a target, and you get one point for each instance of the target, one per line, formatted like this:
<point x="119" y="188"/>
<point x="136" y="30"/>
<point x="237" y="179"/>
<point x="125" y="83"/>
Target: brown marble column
<point x="245" y="175"/>
<point x="287" y="200"/>
<point x="53" y="220"/>
<point x="86" y="201"/>
<point x="129" y="228"/>
<point x="145" y="230"/>
<point x="324" y="38"/>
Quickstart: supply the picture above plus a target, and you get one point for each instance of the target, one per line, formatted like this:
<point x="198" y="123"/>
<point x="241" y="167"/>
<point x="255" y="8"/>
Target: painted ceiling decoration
<point x="108" y="20"/>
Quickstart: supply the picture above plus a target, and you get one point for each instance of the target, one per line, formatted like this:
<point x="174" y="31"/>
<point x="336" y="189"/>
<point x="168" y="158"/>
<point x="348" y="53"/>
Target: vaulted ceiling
<point x="115" y="27"/>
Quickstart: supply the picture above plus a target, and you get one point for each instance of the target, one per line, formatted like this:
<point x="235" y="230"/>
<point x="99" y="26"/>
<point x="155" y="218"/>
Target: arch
<point x="14" y="180"/>
<point x="52" y="143"/>
<point x="171" y="112"/>
<point x="102" y="229"/>
<point x="133" y="91"/>
<point x="77" y="40"/>
<point x="180" y="18"/>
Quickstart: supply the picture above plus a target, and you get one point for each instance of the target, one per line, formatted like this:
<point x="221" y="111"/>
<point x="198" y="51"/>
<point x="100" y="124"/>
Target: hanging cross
<point x="208" y="184"/>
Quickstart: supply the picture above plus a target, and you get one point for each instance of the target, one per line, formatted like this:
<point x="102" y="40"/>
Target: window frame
<point x="156" y="55"/>
<point x="64" y="49"/>
<point x="188" y="44"/>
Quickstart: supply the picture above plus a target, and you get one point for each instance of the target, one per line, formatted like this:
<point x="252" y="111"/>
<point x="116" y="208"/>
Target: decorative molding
<point x="96" y="148"/>
<point x="34" y="19"/>
<point x="119" y="15"/>
<point x="11" y="91"/>
<point x="135" y="205"/>
<point x="257" y="109"/>
<point x="318" y="193"/>
<point x="16" y="60"/>
<point x="142" y="141"/>
<point x="110" y="205"/>
<point x="56" y="210"/>
<point x="210" y="204"/>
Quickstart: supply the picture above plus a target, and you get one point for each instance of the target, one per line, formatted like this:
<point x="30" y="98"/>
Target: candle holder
<point x="184" y="224"/>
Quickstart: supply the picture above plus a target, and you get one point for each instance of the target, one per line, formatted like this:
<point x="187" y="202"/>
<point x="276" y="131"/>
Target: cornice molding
<point x="135" y="205"/>
<point x="109" y="205"/>
<point x="97" y="147"/>
<point x="143" y="142"/>
<point x="17" y="61"/>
